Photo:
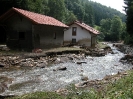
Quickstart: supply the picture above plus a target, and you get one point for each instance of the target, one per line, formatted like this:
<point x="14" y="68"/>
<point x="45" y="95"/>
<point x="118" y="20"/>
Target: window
<point x="73" y="40"/>
<point x="74" y="29"/>
<point x="22" y="35"/>
<point x="54" y="35"/>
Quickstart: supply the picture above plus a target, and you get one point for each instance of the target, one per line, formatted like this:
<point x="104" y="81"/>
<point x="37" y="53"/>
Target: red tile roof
<point x="87" y="27"/>
<point x="35" y="17"/>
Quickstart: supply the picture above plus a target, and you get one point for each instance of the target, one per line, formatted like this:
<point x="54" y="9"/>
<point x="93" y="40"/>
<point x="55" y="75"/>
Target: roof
<point x="34" y="17"/>
<point x="85" y="26"/>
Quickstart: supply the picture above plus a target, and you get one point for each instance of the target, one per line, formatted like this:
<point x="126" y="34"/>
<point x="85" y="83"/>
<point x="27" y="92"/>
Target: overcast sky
<point x="116" y="4"/>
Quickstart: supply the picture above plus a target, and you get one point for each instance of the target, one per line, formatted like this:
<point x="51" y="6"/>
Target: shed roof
<point x="34" y="17"/>
<point x="85" y="26"/>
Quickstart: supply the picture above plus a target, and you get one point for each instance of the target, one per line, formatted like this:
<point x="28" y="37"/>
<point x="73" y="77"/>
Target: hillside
<point x="103" y="12"/>
<point x="65" y="10"/>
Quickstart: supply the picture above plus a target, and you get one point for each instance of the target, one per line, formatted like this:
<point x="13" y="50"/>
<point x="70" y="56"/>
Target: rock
<point x="107" y="48"/>
<point x="60" y="68"/>
<point x="70" y="58"/>
<point x="42" y="65"/>
<point x="84" y="78"/>
<point x="82" y="84"/>
<point x="3" y="87"/>
<point x="57" y="61"/>
<point x="81" y="62"/>
<point x="87" y="53"/>
<point x="37" y="50"/>
<point x="127" y="59"/>
<point x="2" y="65"/>
<point x="62" y="91"/>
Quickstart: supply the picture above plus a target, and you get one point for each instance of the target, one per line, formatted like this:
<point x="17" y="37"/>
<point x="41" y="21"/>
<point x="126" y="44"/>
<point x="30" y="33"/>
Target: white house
<point x="81" y="34"/>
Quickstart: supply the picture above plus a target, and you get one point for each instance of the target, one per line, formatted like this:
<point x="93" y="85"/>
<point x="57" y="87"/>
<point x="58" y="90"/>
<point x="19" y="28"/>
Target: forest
<point x="107" y="20"/>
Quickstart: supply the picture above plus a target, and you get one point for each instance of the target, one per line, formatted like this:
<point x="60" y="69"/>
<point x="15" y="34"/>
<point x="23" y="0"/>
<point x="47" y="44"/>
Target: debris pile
<point x="128" y="51"/>
<point x="127" y="59"/>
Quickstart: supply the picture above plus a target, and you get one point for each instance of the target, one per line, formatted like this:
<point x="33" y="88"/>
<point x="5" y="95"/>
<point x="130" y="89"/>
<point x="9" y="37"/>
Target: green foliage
<point x="35" y="6"/>
<point x="112" y="29"/>
<point x="89" y="14"/>
<point x="129" y="21"/>
<point x="69" y="17"/>
<point x="40" y="95"/>
<point x="76" y="7"/>
<point x="103" y="12"/>
<point x="128" y="39"/>
<point x="57" y="9"/>
<point x="121" y="89"/>
<point x="116" y="28"/>
<point x="129" y="12"/>
<point x="123" y="34"/>
<point x="65" y="10"/>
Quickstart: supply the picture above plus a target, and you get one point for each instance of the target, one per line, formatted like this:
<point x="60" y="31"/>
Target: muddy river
<point x="26" y="80"/>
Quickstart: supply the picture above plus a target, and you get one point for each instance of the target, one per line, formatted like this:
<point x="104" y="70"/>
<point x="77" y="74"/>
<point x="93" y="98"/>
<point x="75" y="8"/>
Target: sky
<point x="116" y="4"/>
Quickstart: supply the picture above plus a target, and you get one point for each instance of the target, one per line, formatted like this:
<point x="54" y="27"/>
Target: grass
<point x="120" y="89"/>
<point x="102" y="45"/>
<point x="39" y="95"/>
<point x="60" y="49"/>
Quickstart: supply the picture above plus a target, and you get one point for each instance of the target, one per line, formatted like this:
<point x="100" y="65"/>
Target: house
<point x="28" y="30"/>
<point x="81" y="34"/>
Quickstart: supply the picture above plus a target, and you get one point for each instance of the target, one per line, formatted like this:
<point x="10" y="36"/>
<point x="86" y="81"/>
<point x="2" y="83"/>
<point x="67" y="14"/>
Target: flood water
<point x="45" y="79"/>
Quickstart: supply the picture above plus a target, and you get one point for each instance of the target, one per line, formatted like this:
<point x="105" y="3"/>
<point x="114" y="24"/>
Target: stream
<point x="27" y="80"/>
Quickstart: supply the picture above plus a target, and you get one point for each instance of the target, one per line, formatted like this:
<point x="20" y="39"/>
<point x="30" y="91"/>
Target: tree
<point x="7" y="4"/>
<point x="129" y="13"/>
<point x="76" y="7"/>
<point x="56" y="9"/>
<point x="105" y="25"/>
<point x="35" y="6"/>
<point x="89" y="15"/>
<point x="69" y="17"/>
<point x="116" y="28"/>
<point x="123" y="33"/>
<point x="112" y="29"/>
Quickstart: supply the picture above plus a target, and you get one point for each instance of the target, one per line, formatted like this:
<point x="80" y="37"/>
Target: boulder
<point x="81" y="84"/>
<point x="41" y="65"/>
<point x="84" y="78"/>
<point x="60" y="68"/>
<point x="81" y="62"/>
<point x="2" y="65"/>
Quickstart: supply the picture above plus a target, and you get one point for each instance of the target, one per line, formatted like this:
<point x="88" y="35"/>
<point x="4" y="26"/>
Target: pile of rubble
<point x="128" y="51"/>
<point x="43" y="59"/>
<point x="98" y="52"/>
<point x="127" y="59"/>
<point x="4" y="48"/>
<point x="38" y="61"/>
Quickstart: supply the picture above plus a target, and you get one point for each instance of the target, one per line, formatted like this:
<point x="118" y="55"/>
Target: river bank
<point x="115" y="89"/>
<point x="42" y="59"/>
<point x="79" y="69"/>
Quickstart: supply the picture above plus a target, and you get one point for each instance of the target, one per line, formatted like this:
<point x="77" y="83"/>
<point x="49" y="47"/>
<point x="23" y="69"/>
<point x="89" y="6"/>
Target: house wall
<point x="44" y="36"/>
<point x="2" y="34"/>
<point x="83" y="37"/>
<point x="17" y="24"/>
<point x="93" y="40"/>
